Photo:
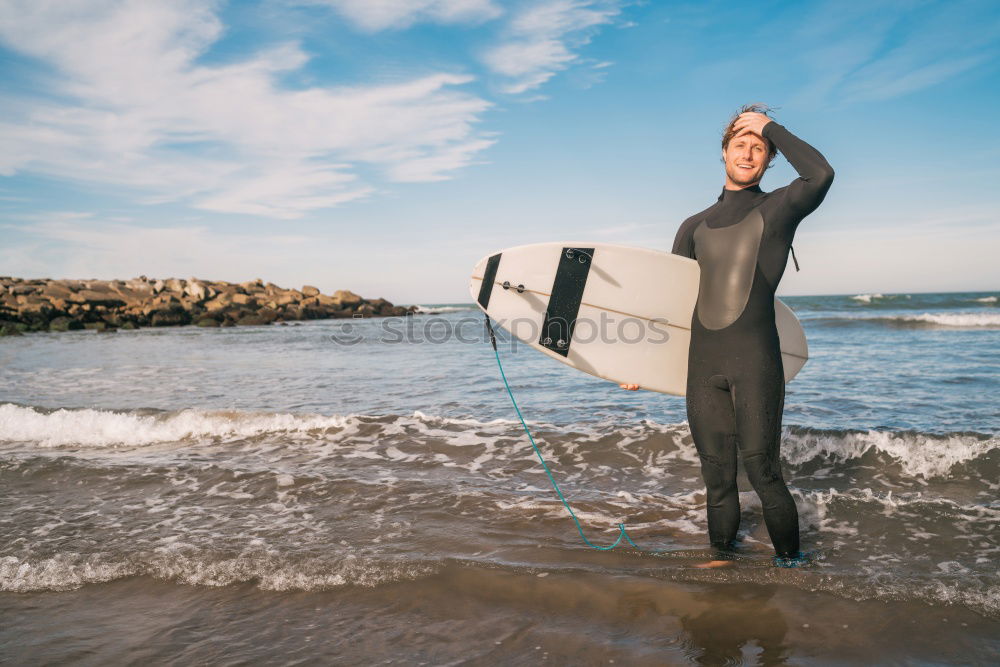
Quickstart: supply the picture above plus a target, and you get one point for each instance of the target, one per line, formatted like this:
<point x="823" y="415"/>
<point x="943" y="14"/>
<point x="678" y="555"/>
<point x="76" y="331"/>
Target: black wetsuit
<point x="735" y="385"/>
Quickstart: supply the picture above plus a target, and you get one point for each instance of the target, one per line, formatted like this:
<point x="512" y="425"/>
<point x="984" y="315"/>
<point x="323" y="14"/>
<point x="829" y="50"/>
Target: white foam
<point x="100" y="428"/>
<point x="477" y="445"/>
<point x="955" y="320"/>
<point x="72" y="570"/>
<point x="946" y="320"/>
<point x="986" y="299"/>
<point x="917" y="454"/>
<point x="876" y="296"/>
<point x="456" y="421"/>
<point x="434" y="310"/>
<point x="814" y="509"/>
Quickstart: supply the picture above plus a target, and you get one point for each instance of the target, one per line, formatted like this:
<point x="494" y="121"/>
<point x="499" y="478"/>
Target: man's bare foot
<point x="714" y="564"/>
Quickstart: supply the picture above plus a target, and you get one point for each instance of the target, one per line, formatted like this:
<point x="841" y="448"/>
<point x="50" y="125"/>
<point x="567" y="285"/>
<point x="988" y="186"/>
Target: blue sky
<point x="384" y="146"/>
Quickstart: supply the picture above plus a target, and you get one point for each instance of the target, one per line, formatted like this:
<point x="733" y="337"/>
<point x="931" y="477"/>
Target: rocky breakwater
<point x="63" y="305"/>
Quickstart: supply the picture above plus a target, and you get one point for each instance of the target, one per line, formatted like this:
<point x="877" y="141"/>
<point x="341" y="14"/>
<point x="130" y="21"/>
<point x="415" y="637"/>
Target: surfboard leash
<point x="622" y="532"/>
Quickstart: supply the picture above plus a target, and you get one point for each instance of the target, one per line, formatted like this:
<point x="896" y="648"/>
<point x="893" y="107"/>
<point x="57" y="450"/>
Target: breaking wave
<point x="927" y="320"/>
<point x="916" y="453"/>
<point x="101" y="428"/>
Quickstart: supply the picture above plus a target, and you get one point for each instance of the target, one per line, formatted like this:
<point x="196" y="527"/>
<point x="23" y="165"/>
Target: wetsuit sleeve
<point x="815" y="174"/>
<point x="684" y="240"/>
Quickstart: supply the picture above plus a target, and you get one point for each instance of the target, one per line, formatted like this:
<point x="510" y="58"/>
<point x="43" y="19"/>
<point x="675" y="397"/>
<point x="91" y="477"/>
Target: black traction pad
<point x="489" y="277"/>
<point x="564" y="304"/>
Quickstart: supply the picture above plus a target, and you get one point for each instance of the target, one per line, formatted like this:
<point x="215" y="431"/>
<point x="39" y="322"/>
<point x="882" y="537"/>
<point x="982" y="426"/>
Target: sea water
<point x="361" y="491"/>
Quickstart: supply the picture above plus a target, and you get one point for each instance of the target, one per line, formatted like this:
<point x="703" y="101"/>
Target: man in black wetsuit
<point x="735" y="383"/>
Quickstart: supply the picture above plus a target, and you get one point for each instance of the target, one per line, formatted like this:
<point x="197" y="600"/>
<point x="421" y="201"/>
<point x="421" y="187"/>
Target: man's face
<point x="746" y="159"/>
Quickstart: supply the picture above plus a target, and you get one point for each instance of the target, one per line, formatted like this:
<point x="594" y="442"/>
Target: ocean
<point x="361" y="492"/>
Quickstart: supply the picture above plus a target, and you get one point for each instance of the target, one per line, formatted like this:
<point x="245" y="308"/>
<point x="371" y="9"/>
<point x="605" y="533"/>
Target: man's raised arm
<point x="815" y="174"/>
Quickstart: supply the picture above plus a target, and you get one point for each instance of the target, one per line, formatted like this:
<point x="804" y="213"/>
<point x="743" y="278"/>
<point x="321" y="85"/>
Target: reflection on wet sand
<point x="738" y="622"/>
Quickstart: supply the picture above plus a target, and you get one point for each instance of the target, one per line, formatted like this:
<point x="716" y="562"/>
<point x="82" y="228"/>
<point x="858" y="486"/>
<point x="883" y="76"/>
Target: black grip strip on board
<point x="489" y="277"/>
<point x="564" y="304"/>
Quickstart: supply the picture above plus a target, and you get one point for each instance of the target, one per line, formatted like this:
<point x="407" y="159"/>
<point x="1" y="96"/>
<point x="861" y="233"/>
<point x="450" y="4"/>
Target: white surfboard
<point x="615" y="312"/>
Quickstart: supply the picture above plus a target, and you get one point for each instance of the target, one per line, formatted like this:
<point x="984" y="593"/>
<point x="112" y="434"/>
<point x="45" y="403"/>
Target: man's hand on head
<point x="750" y="122"/>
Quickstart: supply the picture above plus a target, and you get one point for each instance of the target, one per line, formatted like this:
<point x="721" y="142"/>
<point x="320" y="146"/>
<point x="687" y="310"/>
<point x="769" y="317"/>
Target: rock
<point x="113" y="318"/>
<point x="324" y="300"/>
<point x="223" y="300"/>
<point x="56" y="291"/>
<point x="65" y="324"/>
<point x="166" y="299"/>
<point x="10" y="329"/>
<point x="252" y="285"/>
<point x="94" y="297"/>
<point x="132" y="294"/>
<point x="261" y="317"/>
<point x="189" y="304"/>
<point x="269" y="314"/>
<point x="168" y="318"/>
<point x="65" y="305"/>
<point x="195" y="290"/>
<point x="289" y="297"/>
<point x="314" y="312"/>
<point x="33" y="305"/>
<point x="347" y="297"/>
<point x="381" y="306"/>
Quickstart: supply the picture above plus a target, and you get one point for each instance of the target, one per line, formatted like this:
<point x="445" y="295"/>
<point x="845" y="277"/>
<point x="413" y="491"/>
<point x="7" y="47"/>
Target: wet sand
<point x="485" y="616"/>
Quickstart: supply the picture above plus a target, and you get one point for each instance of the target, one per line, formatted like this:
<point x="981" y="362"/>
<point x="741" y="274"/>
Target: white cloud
<point x="857" y="53"/>
<point x="374" y="15"/>
<point x="540" y="40"/>
<point x="132" y="106"/>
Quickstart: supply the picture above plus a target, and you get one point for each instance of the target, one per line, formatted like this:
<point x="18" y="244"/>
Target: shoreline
<point x="467" y="612"/>
<point x="30" y="305"/>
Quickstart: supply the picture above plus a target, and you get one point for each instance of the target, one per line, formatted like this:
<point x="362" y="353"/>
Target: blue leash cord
<point x="622" y="534"/>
